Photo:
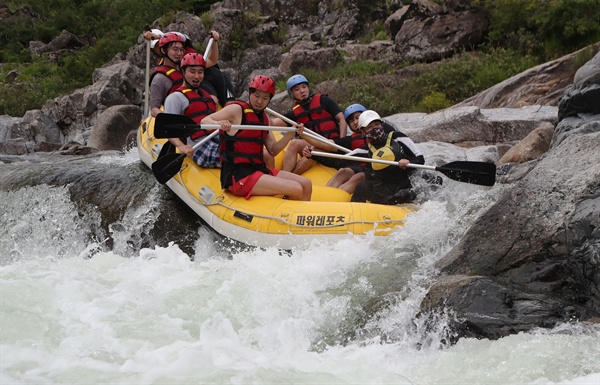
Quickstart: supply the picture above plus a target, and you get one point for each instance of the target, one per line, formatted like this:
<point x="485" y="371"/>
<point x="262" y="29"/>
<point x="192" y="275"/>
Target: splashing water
<point x="73" y="312"/>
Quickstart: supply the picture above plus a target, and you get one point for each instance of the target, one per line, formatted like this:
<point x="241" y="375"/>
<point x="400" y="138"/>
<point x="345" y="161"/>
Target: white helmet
<point x="155" y="32"/>
<point x="367" y="117"/>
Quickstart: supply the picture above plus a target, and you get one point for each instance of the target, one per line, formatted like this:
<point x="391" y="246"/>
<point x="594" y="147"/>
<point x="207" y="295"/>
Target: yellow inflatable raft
<point x="273" y="221"/>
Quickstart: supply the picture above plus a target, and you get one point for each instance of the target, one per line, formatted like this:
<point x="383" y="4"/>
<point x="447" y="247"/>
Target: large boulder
<point x="432" y="39"/>
<point x="532" y="147"/>
<point x="64" y="43"/>
<point x="541" y="85"/>
<point x="113" y="126"/>
<point x="532" y="259"/>
<point x="584" y="95"/>
<point x="19" y="136"/>
<point x="471" y="126"/>
<point x="322" y="59"/>
<point x="579" y="109"/>
<point x="76" y="112"/>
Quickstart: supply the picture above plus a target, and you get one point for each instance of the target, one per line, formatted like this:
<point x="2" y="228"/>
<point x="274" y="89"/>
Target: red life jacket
<point x="172" y="73"/>
<point x="201" y="105"/>
<point x="246" y="146"/>
<point x="358" y="140"/>
<point x="316" y="118"/>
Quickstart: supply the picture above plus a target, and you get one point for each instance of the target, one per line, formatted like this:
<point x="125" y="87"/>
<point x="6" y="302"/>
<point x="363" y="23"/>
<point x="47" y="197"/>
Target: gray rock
<point x="7" y="124"/>
<point x="541" y="85"/>
<point x="431" y="39"/>
<point x="474" y="126"/>
<point x="539" y="228"/>
<point x="297" y="60"/>
<point x="589" y="73"/>
<point x="113" y="126"/>
<point x="582" y="124"/>
<point x="13" y="147"/>
<point x="531" y="147"/>
<point x="76" y="112"/>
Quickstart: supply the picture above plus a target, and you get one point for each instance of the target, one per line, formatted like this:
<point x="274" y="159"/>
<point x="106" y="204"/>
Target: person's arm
<point x="413" y="153"/>
<point x="278" y="122"/>
<point x="342" y="124"/>
<point x="282" y="123"/>
<point x="320" y="144"/>
<point x="176" y="103"/>
<point x="213" y="55"/>
<point x="225" y="117"/>
<point x="275" y="147"/>
<point x="183" y="147"/>
<point x="335" y="111"/>
<point x="159" y="89"/>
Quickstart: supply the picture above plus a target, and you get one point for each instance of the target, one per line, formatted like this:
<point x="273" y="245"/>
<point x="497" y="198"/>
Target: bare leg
<point x="268" y="158"/>
<point x="351" y="184"/>
<point x="290" y="158"/>
<point x="291" y="185"/>
<point x="340" y="177"/>
<point x="302" y="165"/>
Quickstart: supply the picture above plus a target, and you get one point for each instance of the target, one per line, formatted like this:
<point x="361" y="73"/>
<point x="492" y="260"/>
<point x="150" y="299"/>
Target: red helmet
<point x="170" y="37"/>
<point x="263" y="83"/>
<point x="192" y="59"/>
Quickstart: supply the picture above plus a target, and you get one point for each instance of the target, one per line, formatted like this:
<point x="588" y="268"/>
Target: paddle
<point x="147" y="83"/>
<point x="481" y="173"/>
<point x="208" y="47"/>
<point x="180" y="126"/>
<point x="168" y="165"/>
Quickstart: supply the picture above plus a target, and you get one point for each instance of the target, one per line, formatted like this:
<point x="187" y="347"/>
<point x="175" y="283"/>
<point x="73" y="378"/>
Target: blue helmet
<point x="294" y="81"/>
<point x="352" y="109"/>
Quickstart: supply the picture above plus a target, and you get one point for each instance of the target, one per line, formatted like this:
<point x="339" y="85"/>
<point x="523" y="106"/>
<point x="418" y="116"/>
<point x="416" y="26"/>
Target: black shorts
<point x="375" y="191"/>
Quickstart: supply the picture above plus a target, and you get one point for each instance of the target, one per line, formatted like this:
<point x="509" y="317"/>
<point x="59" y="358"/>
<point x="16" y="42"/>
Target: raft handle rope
<point x="219" y="202"/>
<point x="387" y="220"/>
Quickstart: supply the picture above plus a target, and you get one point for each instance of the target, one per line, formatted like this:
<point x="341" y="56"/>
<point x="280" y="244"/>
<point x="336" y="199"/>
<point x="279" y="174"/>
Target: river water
<point x="74" y="311"/>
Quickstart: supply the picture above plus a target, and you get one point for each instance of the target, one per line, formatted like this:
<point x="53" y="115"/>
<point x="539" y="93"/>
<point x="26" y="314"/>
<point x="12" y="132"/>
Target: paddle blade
<point x="166" y="167"/>
<point x="482" y="173"/>
<point x="167" y="148"/>
<point x="174" y="126"/>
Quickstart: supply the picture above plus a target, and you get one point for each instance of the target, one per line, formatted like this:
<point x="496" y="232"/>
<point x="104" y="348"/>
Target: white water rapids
<point x="153" y="316"/>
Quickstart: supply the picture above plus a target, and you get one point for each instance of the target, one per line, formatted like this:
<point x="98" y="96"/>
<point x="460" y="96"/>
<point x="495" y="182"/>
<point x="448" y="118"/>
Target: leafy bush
<point x="378" y="32"/>
<point x="467" y="74"/>
<point x="544" y="28"/>
<point x="117" y="23"/>
<point x="433" y="102"/>
<point x="435" y="87"/>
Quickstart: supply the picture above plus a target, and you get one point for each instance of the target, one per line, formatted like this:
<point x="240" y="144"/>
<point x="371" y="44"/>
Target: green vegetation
<point x="434" y="88"/>
<point x="546" y="29"/>
<point x="115" y="25"/>
<point x="378" y="32"/>
<point x="522" y="33"/>
<point x="240" y="39"/>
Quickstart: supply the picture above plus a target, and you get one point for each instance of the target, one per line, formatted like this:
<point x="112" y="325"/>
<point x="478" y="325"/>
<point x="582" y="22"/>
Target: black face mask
<point x="376" y="135"/>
